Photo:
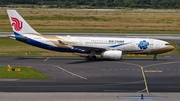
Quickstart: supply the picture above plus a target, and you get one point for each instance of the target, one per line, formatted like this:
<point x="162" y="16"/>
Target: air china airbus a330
<point x="110" y="48"/>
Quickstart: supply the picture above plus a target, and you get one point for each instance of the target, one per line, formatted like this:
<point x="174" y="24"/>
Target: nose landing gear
<point x="155" y="57"/>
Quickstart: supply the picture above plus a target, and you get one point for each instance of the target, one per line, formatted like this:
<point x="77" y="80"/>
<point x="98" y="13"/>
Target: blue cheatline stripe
<point x="18" y="35"/>
<point x="46" y="46"/>
<point x="114" y="46"/>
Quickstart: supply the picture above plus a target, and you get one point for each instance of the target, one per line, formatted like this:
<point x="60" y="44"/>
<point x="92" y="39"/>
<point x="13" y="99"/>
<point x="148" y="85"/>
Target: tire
<point x="93" y="58"/>
<point x="88" y="58"/>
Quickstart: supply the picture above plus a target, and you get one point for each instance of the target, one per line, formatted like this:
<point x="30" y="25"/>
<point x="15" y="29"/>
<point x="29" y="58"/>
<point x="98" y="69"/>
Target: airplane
<point x="142" y="97"/>
<point x="107" y="47"/>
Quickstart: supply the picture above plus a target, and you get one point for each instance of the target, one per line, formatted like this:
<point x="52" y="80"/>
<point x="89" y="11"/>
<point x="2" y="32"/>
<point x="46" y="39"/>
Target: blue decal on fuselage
<point x="117" y="45"/>
<point x="143" y="44"/>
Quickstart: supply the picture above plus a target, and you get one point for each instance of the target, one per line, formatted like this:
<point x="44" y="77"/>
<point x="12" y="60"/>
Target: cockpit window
<point x="166" y="44"/>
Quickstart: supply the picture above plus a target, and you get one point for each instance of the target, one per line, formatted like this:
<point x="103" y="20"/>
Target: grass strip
<point x="24" y="73"/>
<point x="101" y="31"/>
<point x="98" y="21"/>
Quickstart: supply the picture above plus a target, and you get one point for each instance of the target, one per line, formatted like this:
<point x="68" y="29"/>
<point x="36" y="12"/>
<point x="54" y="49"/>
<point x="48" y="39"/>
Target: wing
<point x="131" y="97"/>
<point x="149" y="97"/>
<point x="82" y="47"/>
<point x="87" y="48"/>
<point x="139" y="97"/>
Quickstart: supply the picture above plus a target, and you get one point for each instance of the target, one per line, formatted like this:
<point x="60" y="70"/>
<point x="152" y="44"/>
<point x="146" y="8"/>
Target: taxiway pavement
<point x="72" y="74"/>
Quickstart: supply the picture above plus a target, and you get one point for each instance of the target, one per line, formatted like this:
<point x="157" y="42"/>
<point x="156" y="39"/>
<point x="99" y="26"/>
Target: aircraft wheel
<point x="88" y="58"/>
<point x="155" y="58"/>
<point x="93" y="58"/>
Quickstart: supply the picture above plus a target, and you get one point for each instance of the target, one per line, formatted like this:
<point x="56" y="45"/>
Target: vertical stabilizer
<point x="19" y="25"/>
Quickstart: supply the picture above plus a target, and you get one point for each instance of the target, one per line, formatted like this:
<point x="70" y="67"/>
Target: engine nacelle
<point x="112" y="54"/>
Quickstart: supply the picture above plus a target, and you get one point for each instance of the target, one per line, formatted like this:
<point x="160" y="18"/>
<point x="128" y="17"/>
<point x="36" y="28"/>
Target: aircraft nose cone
<point x="170" y="48"/>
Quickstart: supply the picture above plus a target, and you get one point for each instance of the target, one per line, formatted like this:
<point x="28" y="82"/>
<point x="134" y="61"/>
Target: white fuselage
<point x="126" y="45"/>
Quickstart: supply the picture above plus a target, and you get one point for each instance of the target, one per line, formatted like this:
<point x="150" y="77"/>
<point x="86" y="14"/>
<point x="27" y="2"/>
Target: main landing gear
<point x="155" y="58"/>
<point x="88" y="58"/>
<point x="91" y="56"/>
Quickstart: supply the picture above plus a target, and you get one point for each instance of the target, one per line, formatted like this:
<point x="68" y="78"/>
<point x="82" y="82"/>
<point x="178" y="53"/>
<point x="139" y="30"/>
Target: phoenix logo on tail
<point x="16" y="23"/>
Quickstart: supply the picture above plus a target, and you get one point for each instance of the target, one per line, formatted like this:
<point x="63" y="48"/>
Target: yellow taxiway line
<point x="144" y="77"/>
<point x="145" y="81"/>
<point x="153" y="71"/>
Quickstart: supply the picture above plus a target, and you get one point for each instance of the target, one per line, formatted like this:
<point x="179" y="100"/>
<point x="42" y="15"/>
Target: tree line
<point x="156" y="4"/>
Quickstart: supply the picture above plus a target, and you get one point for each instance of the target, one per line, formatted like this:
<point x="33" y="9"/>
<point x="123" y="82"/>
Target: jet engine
<point x="112" y="54"/>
